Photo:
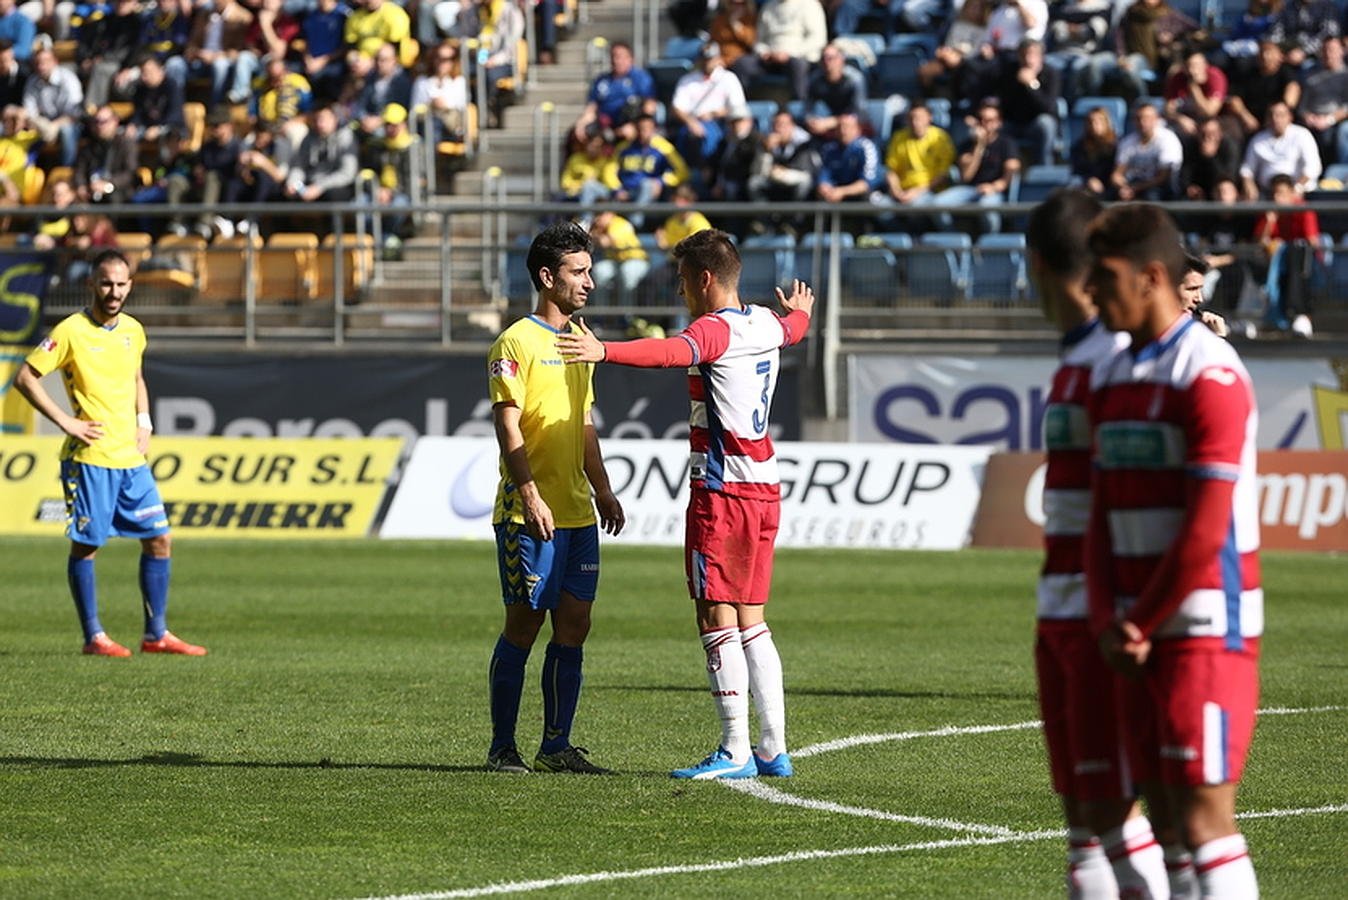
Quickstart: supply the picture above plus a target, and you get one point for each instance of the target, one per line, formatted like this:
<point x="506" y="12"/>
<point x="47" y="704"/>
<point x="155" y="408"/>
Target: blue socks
<point x="561" y="694"/>
<point x="80" y="574"/>
<point x="154" y="582"/>
<point x="506" y="681"/>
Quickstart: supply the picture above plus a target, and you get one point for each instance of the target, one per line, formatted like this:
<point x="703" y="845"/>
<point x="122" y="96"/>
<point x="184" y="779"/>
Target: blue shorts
<point x="537" y="572"/>
<point x="103" y="503"/>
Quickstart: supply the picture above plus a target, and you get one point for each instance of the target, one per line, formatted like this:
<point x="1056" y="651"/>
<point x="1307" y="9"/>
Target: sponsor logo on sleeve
<point x="47" y="344"/>
<point x="503" y="368"/>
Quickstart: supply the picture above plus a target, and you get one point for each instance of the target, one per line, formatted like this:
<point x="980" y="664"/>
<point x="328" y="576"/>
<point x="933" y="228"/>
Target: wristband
<point x="143" y="421"/>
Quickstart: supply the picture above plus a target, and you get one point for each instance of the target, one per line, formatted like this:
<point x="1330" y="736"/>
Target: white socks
<point x="1089" y="875"/>
<point x="1137" y="860"/>
<point x="728" y="674"/>
<point x="1179" y="867"/>
<point x="1225" y="870"/>
<point x="765" y="682"/>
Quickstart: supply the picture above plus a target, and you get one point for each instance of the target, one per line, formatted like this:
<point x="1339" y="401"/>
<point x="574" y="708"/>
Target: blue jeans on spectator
<point x="627" y="273"/>
<point x="965" y="195"/>
<point x="1038" y="135"/>
<point x="547" y="24"/>
<point x="701" y="151"/>
<point x="648" y="191"/>
<point x="1101" y="65"/>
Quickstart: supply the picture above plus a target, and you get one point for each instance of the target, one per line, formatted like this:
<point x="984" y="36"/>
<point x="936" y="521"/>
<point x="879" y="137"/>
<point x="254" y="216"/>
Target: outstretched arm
<point x="649" y="353"/>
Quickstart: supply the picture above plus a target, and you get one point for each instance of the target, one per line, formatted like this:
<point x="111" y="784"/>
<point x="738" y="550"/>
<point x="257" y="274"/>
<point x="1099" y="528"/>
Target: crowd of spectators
<point x="1214" y="111"/>
<point x="294" y="98"/>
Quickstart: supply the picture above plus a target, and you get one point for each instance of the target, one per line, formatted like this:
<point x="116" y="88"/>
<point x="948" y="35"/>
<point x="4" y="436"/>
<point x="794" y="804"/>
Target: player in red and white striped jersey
<point x="1172" y="547"/>
<point x="1076" y="687"/>
<point x="731" y="352"/>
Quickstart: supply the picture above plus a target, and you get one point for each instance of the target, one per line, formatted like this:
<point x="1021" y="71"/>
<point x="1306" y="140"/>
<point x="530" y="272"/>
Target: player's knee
<point x="158" y="546"/>
<point x="82" y="551"/>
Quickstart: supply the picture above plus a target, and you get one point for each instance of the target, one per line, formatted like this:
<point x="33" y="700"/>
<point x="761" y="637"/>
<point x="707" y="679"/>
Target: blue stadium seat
<point x="940" y="112"/>
<point x="870" y="273"/>
<point x="1037" y="182"/>
<point x="681" y="47"/>
<point x="882" y="111"/>
<point x="763" y="111"/>
<point x="766" y="261"/>
<point x="666" y="74"/>
<point x="1116" y="107"/>
<point x="997" y="271"/>
<point x="797" y="108"/>
<point x="894" y="240"/>
<point x="805" y="253"/>
<point x="926" y="43"/>
<point x="1334" y="223"/>
<point x="875" y="42"/>
<point x="942" y="269"/>
<point x="895" y="72"/>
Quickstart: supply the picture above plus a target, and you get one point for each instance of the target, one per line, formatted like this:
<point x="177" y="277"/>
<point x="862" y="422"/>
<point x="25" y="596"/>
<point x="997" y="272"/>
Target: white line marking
<point x="860" y="740"/>
<point x="541" y="884"/>
<point x="763" y="791"/>
<point x="945" y="731"/>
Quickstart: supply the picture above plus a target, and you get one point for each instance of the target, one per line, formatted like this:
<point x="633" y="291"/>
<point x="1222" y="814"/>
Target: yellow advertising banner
<point x="221" y="487"/>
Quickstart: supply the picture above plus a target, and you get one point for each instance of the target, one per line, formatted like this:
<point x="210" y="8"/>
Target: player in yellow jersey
<point x="109" y="489"/>
<point x="547" y="541"/>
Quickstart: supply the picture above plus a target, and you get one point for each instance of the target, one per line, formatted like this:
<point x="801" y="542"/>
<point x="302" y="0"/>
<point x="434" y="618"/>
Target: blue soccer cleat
<point x="718" y="765"/>
<point x="777" y="767"/>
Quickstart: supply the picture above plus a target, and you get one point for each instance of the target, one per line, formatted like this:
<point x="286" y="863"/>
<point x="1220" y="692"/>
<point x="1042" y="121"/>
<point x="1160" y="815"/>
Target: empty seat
<point x="939" y="265"/>
<point x="1037" y="182"/>
<point x="225" y="282"/>
<point x="357" y="266"/>
<point x="895" y="72"/>
<point x="870" y="273"/>
<point x="666" y="74"/>
<point x="286" y="268"/>
<point x="997" y="270"/>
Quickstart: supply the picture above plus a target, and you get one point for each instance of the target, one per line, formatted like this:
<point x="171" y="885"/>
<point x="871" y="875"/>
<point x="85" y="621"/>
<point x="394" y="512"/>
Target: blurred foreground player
<point x="109" y="489"/>
<point x="731" y="352"/>
<point x="547" y="542"/>
<point x="1172" y="546"/>
<point x="1076" y="687"/>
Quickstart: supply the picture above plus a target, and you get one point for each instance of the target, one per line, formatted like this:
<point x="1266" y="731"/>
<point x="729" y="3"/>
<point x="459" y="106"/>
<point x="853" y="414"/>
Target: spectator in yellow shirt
<point x="623" y="259"/>
<point x="373" y="24"/>
<point x="684" y="222"/>
<point x="590" y="174"/>
<point x="918" y="160"/>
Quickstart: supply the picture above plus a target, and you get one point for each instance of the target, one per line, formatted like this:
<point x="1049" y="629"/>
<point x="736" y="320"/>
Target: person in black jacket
<point x="1029" y="95"/>
<point x="105" y="49"/>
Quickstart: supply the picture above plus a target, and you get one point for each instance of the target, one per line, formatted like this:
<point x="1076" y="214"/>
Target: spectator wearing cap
<point x="791" y="38"/>
<point x="1283" y="148"/>
<point x="286" y="95"/>
<point x="388" y="83"/>
<point x="1302" y="26"/>
<point x="734" y="29"/>
<point x="105" y="169"/>
<point x="325" y="166"/>
<point x="18" y="29"/>
<point x="373" y="24"/>
<point x="13" y="74"/>
<point x="105" y="48"/>
<point x="987" y="166"/>
<point x="219" y="33"/>
<point x="591" y="173"/>
<point x="850" y="167"/>
<point x="157" y="103"/>
<point x="54" y="99"/>
<point x="1029" y="101"/>
<point x="389" y="156"/>
<point x="836" y="88"/>
<point x="647" y="165"/>
<point x="702" y="103"/>
<point x="444" y="91"/>
<point x="324" y="58"/>
<point x="918" y="160"/>
<point x="616" y="93"/>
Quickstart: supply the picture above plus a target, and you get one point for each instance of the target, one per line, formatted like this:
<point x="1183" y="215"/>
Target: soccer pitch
<point x="330" y="746"/>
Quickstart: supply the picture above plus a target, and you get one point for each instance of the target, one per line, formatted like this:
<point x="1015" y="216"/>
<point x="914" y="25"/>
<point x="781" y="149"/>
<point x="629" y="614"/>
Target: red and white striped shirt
<point x="1174" y="493"/>
<point x="1067" y="479"/>
<point x="733" y="362"/>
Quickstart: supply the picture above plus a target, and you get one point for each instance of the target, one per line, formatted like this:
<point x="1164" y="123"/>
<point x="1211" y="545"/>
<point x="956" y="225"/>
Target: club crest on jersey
<point x="503" y="368"/>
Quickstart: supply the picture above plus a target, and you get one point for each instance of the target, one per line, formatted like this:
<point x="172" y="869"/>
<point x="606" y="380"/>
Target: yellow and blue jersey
<point x="524" y="368"/>
<point x="98" y="367"/>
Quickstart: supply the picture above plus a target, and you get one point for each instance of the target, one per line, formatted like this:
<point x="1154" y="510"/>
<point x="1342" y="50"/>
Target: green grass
<point x="330" y="744"/>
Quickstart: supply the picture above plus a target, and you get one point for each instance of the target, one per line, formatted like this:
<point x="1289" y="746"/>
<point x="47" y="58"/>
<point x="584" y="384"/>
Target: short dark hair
<point x="110" y="254"/>
<point x="1280" y="179"/>
<point x="1195" y="263"/>
<point x="710" y="250"/>
<point x="1141" y="233"/>
<point x="6" y="44"/>
<point x="1057" y="231"/>
<point x="551" y="244"/>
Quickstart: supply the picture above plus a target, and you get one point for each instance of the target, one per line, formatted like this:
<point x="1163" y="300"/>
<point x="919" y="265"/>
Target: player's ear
<point x="545" y="276"/>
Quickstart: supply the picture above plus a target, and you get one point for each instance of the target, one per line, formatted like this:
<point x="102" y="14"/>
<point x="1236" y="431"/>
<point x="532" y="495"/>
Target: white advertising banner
<point x="833" y="495"/>
<point x="999" y="401"/>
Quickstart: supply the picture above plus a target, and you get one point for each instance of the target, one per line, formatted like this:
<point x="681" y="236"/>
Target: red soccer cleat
<point x="102" y="645"/>
<point x="170" y="644"/>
